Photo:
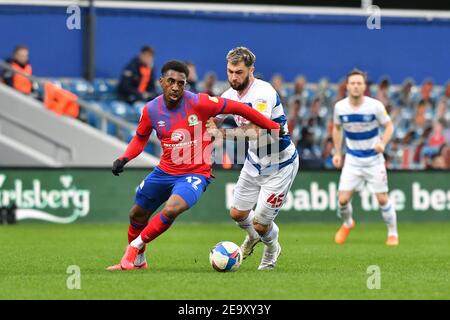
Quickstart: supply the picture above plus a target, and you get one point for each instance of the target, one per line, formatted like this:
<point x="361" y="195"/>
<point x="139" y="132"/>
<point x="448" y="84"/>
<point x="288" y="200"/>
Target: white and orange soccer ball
<point x="225" y="256"/>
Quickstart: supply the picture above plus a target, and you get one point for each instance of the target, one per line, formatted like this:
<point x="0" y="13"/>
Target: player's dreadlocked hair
<point x="241" y="54"/>
<point x="175" y="65"/>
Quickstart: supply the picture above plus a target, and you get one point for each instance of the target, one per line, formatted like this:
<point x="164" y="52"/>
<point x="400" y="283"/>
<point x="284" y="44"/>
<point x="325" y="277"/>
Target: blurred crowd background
<point x="420" y="111"/>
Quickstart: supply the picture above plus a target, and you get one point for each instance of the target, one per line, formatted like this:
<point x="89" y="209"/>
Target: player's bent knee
<point x="260" y="228"/>
<point x="344" y="197"/>
<point x="382" y="198"/>
<point x="139" y="214"/>
<point x="343" y="200"/>
<point x="173" y="210"/>
<point x="238" y="215"/>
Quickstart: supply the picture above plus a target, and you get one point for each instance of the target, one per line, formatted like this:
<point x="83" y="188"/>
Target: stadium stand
<point x="33" y="135"/>
<point x="309" y="106"/>
<point x="420" y="112"/>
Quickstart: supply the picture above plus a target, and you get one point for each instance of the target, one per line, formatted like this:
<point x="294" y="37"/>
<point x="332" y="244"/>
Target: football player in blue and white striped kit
<point x="271" y="164"/>
<point x="360" y="118"/>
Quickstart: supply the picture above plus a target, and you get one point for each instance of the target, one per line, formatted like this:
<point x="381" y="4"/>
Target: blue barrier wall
<point x="314" y="45"/>
<point x="54" y="50"/>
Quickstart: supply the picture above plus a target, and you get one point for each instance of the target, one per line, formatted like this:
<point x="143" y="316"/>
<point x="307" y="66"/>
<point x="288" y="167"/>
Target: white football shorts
<point x="354" y="178"/>
<point x="268" y="192"/>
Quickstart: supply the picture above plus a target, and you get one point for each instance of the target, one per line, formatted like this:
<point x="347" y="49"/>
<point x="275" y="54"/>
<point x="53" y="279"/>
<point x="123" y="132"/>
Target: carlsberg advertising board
<point x="95" y="195"/>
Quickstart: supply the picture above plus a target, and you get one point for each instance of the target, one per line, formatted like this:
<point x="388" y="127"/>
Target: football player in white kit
<point x="360" y="117"/>
<point x="267" y="175"/>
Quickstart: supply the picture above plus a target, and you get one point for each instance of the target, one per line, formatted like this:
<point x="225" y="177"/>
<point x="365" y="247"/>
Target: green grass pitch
<point x="35" y="258"/>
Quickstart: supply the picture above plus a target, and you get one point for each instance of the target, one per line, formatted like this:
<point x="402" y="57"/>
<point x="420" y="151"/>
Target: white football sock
<point x="137" y="243"/>
<point x="345" y="212"/>
<point x="140" y="259"/>
<point x="247" y="225"/>
<point x="390" y="218"/>
<point x="270" y="238"/>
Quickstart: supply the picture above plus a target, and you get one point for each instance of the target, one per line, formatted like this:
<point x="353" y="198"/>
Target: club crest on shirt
<point x="367" y="118"/>
<point x="261" y="105"/>
<point x="192" y="120"/>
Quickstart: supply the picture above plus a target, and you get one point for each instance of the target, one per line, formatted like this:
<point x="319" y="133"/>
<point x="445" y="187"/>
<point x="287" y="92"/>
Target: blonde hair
<point x="241" y="54"/>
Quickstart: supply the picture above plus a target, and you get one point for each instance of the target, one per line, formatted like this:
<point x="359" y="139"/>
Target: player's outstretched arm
<point x="250" y="131"/>
<point x="135" y="148"/>
<point x="218" y="105"/>
<point x="234" y="107"/>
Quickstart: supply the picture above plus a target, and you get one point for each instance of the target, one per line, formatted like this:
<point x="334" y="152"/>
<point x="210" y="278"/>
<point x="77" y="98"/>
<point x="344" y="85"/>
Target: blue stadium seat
<point x="105" y="89"/>
<point x="65" y="84"/>
<point x="120" y="109"/>
<point x="309" y="95"/>
<point x="416" y="96"/>
<point x="373" y="90"/>
<point x="135" y="111"/>
<point x="92" y="118"/>
<point x="407" y="113"/>
<point x="81" y="88"/>
<point x="39" y="88"/>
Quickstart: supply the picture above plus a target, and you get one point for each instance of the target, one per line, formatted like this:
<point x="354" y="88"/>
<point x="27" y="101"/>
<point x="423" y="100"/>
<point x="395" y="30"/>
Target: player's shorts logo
<point x="193" y="120"/>
<point x="177" y="136"/>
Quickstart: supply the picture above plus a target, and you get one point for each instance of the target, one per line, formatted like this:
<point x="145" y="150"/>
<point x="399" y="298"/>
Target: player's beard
<point x="243" y="85"/>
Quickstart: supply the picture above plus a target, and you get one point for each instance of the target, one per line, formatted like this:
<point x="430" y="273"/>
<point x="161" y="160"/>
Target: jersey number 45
<point x="275" y="201"/>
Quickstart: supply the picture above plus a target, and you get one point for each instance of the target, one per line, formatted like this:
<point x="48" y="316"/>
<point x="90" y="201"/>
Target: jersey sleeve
<point x="381" y="114"/>
<point x="266" y="103"/>
<point x="222" y="116"/>
<point x="336" y="118"/>
<point x="212" y="106"/>
<point x="209" y="106"/>
<point x="144" y="128"/>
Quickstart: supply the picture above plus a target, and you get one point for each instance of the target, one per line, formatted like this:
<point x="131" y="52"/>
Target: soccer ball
<point x="225" y="256"/>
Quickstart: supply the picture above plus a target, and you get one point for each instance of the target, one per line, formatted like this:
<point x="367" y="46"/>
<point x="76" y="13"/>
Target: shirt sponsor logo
<point x="161" y="123"/>
<point x="177" y="136"/>
<point x="180" y="145"/>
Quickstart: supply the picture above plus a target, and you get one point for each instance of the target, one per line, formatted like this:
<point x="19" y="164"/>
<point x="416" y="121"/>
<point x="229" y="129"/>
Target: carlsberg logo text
<point x="35" y="197"/>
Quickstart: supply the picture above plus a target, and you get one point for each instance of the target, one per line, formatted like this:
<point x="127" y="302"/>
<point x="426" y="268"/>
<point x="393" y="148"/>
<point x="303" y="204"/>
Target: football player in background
<point x="360" y="117"/>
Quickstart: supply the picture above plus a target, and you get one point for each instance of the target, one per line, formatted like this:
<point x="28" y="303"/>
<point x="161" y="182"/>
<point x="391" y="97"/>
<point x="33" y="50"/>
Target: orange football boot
<point x="343" y="233"/>
<point x="127" y="262"/>
<point x="119" y="267"/>
<point x="392" y="241"/>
